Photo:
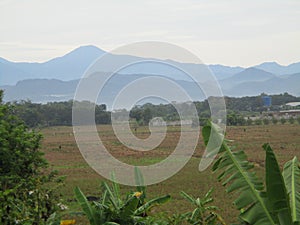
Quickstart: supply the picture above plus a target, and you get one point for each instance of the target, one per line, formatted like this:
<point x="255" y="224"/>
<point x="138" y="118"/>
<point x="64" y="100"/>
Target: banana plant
<point x="204" y="213"/>
<point x="276" y="204"/>
<point x="113" y="209"/>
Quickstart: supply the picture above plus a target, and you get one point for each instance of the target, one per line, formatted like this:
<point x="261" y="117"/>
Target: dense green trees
<point x="23" y="196"/>
<point x="53" y="113"/>
<point x="60" y="113"/>
<point x="234" y="119"/>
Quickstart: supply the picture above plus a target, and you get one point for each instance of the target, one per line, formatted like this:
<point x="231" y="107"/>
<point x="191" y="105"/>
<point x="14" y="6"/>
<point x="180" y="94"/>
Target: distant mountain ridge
<point x="68" y="67"/>
<point x="73" y="64"/>
<point x="56" y="79"/>
<point x="277" y="69"/>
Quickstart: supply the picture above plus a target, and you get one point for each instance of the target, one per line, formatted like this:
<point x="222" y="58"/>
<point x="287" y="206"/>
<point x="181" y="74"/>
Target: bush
<point x="258" y="122"/>
<point x="266" y="121"/>
<point x="24" y="199"/>
<point x="274" y="120"/>
<point x="291" y="120"/>
<point x="282" y="120"/>
<point x="249" y="122"/>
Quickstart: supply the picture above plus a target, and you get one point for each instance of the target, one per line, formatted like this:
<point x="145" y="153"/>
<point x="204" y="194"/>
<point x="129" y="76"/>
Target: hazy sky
<point x="228" y="32"/>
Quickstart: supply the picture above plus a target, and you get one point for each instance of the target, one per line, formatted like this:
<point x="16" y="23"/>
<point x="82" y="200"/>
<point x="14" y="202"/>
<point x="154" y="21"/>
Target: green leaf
<point x="151" y="203"/>
<point x="110" y="195"/>
<point x="111" y="223"/>
<point x="291" y="175"/>
<point x="86" y="207"/>
<point x="139" y="180"/>
<point x="116" y="189"/>
<point x="195" y="214"/>
<point x="235" y="167"/>
<point x="187" y="197"/>
<point x="127" y="210"/>
<point x="276" y="190"/>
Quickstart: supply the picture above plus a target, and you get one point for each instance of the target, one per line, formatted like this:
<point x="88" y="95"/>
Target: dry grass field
<point x="62" y="153"/>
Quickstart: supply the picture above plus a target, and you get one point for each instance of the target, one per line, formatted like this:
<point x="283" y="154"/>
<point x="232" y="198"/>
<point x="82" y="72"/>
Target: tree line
<point x="60" y="113"/>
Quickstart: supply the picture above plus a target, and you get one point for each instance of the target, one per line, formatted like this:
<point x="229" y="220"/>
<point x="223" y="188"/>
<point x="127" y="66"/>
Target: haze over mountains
<point x="56" y="79"/>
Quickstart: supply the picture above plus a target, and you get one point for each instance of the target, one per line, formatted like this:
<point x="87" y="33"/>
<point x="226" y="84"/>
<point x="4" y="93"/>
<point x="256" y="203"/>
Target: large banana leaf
<point x="151" y="203"/>
<point x="91" y="213"/>
<point x="276" y="190"/>
<point x="291" y="175"/>
<point x="235" y="173"/>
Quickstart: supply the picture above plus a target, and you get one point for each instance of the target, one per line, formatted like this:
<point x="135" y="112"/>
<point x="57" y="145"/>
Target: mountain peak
<point x="83" y="55"/>
<point x="86" y="50"/>
<point x="269" y="64"/>
<point x="255" y="70"/>
<point x="272" y="67"/>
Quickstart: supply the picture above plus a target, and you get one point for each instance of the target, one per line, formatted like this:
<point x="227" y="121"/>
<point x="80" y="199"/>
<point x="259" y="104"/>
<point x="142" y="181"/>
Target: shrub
<point x="24" y="199"/>
<point x="274" y="120"/>
<point x="114" y="209"/>
<point x="258" y="122"/>
<point x="282" y="120"/>
<point x="266" y="121"/>
<point x="291" y="120"/>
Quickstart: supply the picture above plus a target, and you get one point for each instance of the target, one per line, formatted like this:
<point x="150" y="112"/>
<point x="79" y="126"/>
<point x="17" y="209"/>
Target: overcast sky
<point x="227" y="32"/>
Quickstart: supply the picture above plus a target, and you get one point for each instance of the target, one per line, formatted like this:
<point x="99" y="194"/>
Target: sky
<point x="231" y="32"/>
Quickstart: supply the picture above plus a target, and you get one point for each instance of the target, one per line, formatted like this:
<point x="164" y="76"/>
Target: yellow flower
<point x="67" y="222"/>
<point x="137" y="194"/>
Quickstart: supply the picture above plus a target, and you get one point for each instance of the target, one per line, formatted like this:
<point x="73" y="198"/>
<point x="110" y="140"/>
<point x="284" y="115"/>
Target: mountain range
<point x="57" y="79"/>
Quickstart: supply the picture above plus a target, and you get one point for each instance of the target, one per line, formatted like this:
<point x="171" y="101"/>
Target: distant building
<point x="180" y="122"/>
<point x="157" y="122"/>
<point x="293" y="104"/>
<point x="289" y="113"/>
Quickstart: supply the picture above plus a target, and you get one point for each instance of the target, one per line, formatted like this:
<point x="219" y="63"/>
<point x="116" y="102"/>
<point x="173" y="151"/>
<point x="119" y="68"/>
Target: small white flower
<point x="30" y="192"/>
<point x="62" y="206"/>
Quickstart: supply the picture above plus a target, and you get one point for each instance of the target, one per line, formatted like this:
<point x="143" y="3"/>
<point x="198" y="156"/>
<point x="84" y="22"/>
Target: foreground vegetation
<point x="26" y="187"/>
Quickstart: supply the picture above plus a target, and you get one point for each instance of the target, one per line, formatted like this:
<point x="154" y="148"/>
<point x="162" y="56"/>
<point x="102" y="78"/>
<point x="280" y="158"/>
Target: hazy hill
<point x="56" y="79"/>
<point x="275" y="85"/>
<point x="68" y="67"/>
<point x="277" y="69"/>
<point x="251" y="74"/>
<point x="72" y="65"/>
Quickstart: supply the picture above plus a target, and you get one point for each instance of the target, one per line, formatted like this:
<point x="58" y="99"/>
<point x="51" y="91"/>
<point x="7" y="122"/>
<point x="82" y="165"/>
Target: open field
<point x="62" y="153"/>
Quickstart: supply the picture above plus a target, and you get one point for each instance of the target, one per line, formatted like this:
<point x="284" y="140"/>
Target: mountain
<point x="49" y="90"/>
<point x="40" y="90"/>
<point x="274" y="85"/>
<point x="68" y="67"/>
<point x="222" y="72"/>
<point x="72" y="66"/>
<point x="251" y="74"/>
<point x="278" y="69"/>
<point x="57" y="79"/>
<point x="10" y="73"/>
